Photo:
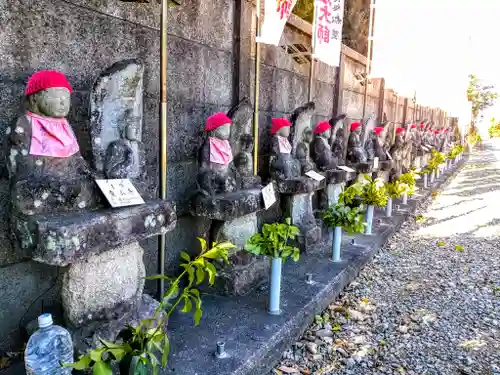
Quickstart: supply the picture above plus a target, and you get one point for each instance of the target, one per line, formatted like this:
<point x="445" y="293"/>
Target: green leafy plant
<point x="150" y="338"/>
<point x="274" y="241"/>
<point x="408" y="182"/>
<point x="394" y="189"/>
<point x="373" y="192"/>
<point x="350" y="219"/>
<point x="349" y="194"/>
<point x="455" y="151"/>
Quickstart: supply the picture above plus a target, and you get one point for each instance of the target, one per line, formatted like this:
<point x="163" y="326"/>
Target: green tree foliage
<point x="494" y="129"/>
<point x="481" y="96"/>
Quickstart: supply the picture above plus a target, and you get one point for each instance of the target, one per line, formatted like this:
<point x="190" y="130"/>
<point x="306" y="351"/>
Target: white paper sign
<point x="315" y="176"/>
<point x="344" y="168"/>
<point x="327" y="29"/>
<point x="388" y="155"/>
<point x="375" y="162"/>
<point x="120" y="192"/>
<point x="276" y="14"/>
<point x="268" y="195"/>
<point x="425" y="148"/>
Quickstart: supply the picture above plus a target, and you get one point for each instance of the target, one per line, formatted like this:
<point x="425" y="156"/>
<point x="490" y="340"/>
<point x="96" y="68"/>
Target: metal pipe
<point x="311" y="80"/>
<point x="337" y="239"/>
<point x="256" y="90"/>
<point x="369" y="219"/>
<point x="368" y="55"/>
<point x="275" y="287"/>
<point x="163" y="136"/>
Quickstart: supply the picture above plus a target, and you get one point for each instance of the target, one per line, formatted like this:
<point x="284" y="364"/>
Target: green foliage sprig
<point x="394" y="189"/>
<point x="348" y="195"/>
<point x="149" y="338"/>
<point x="274" y="241"/>
<point x="351" y="219"/>
<point x="408" y="182"/>
<point x="373" y="192"/>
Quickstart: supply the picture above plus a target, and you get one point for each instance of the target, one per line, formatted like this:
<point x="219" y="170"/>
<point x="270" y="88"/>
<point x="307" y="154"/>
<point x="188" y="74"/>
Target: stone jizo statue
<point x="321" y="152"/>
<point x="282" y="164"/>
<point x="217" y="172"/>
<point x="356" y="153"/>
<point x="47" y="172"/>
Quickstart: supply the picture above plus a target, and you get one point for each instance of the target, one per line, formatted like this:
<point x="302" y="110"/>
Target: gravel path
<point x="429" y="303"/>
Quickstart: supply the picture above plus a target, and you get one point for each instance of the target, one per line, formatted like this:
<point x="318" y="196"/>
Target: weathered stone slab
<point x="300" y="185"/>
<point x="228" y="206"/>
<point x="62" y="240"/>
<point x="106" y="286"/>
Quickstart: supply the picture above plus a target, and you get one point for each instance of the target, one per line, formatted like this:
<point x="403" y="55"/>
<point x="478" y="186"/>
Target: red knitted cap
<point x="399" y="130"/>
<point x="278" y="123"/>
<point x="322" y="127"/>
<point x="436" y="131"/>
<point x="354" y="126"/>
<point x="421" y="125"/>
<point x="413" y="126"/>
<point x="216" y="120"/>
<point x="378" y="129"/>
<point x="46" y="79"/>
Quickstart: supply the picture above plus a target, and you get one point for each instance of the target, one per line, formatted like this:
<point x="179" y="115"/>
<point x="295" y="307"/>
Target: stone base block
<point x="300" y="185"/>
<point x="229" y="206"/>
<point x="245" y="271"/>
<point x="87" y="336"/>
<point x="106" y="286"/>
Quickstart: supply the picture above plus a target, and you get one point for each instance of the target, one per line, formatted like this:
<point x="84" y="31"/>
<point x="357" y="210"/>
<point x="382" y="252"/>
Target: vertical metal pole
<point x="368" y="55"/>
<point x="163" y="136"/>
<point x="311" y="80"/>
<point x="256" y="90"/>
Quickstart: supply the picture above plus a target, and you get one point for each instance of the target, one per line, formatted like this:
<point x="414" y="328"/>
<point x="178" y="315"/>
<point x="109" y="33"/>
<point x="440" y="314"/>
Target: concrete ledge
<point x="255" y="340"/>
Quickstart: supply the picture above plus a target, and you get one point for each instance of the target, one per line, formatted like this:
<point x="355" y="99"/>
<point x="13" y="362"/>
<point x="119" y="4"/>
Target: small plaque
<point x="425" y="148"/>
<point x="269" y="195"/>
<point x="375" y="162"/>
<point x="120" y="192"/>
<point x="315" y="176"/>
<point x="417" y="177"/>
<point x="388" y="155"/>
<point x="345" y="168"/>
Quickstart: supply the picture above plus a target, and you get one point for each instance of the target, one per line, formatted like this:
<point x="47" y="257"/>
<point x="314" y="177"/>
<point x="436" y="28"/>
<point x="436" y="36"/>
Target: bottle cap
<point x="45" y="320"/>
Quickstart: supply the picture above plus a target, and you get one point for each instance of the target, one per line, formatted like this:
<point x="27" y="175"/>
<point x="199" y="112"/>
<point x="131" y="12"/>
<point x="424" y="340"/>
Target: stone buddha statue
<point x="47" y="172"/>
<point x="244" y="163"/>
<point x="338" y="146"/>
<point x="282" y="163"/>
<point x="379" y="143"/>
<point x="356" y="153"/>
<point x="302" y="153"/>
<point x="123" y="156"/>
<point x="321" y="152"/>
<point x="217" y="172"/>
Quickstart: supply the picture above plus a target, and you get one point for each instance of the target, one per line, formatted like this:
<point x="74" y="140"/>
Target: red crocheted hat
<point x="278" y="123"/>
<point x="216" y="120"/>
<point x="355" y="125"/>
<point x="413" y="126"/>
<point x="422" y="125"/>
<point x="399" y="130"/>
<point x="436" y="131"/>
<point x="322" y="127"/>
<point x="378" y="129"/>
<point x="46" y="79"/>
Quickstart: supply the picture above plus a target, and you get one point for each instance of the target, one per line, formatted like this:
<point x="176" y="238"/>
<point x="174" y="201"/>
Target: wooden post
<point x="338" y="88"/>
<point x="381" y="99"/>
<point x="405" y="111"/>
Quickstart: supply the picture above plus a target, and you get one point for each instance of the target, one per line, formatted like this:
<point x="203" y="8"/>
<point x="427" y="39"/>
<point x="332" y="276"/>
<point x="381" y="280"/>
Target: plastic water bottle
<point x="47" y="348"/>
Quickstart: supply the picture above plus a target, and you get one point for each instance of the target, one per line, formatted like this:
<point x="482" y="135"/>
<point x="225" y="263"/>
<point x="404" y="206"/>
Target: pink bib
<point x="220" y="151"/>
<point x="284" y="146"/>
<point x="52" y="137"/>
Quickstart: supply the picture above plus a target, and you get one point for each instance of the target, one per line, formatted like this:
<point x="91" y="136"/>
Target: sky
<point x="431" y="46"/>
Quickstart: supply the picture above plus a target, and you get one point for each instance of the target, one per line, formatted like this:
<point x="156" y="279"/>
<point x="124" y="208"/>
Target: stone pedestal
<point x="105" y="286"/>
<point x="234" y="219"/>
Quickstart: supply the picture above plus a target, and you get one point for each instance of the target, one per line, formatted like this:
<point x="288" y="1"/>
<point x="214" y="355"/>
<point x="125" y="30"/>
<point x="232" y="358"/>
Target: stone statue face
<point x="53" y="102"/>
<point x="222" y="132"/>
<point x="308" y="135"/>
<point x="284" y="132"/>
<point x="131" y="133"/>
<point x="326" y="134"/>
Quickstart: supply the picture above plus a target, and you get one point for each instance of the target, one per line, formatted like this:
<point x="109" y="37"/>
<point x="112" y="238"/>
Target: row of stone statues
<point x="295" y="148"/>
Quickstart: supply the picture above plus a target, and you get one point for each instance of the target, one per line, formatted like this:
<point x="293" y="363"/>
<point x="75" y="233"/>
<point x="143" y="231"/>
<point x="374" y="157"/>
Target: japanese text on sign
<point x="120" y="192"/>
<point x="276" y="14"/>
<point x="328" y="20"/>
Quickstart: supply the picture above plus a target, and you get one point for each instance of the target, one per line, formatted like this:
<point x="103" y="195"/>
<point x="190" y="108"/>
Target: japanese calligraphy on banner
<point x="276" y="13"/>
<point x="327" y="41"/>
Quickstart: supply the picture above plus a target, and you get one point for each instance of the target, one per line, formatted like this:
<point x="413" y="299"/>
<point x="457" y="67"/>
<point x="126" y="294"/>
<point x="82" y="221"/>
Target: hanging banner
<point x="327" y="31"/>
<point x="276" y="13"/>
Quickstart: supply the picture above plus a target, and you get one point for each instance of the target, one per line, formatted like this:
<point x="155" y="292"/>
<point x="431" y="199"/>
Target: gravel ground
<point x="429" y="303"/>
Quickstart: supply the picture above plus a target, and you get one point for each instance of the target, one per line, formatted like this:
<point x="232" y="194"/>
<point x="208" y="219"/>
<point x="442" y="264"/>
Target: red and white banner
<point x="327" y="29"/>
<point x="276" y="14"/>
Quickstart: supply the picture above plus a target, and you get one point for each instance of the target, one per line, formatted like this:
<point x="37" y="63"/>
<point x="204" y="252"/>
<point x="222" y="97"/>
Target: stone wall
<point x="210" y="68"/>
